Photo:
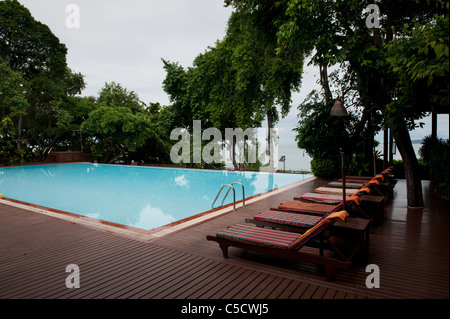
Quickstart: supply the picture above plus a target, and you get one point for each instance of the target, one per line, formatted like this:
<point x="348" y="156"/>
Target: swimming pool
<point x="135" y="196"/>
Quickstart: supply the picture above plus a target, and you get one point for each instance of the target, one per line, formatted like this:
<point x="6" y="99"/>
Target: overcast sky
<point x="124" y="41"/>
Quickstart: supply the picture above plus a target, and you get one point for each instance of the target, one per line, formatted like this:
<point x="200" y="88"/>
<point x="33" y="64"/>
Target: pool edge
<point x="142" y="234"/>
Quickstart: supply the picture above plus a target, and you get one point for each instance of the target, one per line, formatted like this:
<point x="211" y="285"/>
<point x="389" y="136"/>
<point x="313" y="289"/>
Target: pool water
<point x="142" y="197"/>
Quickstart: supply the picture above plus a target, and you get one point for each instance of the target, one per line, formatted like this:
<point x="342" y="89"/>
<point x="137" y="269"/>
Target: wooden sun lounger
<point x="294" y="217"/>
<point x="367" y="206"/>
<point x="302" y="207"/>
<point x="353" y="234"/>
<point x="290" y="221"/>
<point x="328" y="199"/>
<point x="335" y="191"/>
<point x="281" y="243"/>
<point x="356" y="178"/>
<point x="347" y="184"/>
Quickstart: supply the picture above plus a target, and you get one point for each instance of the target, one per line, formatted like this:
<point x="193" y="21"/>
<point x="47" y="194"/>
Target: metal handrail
<point x="243" y="192"/>
<point x="231" y="187"/>
<point x="234" y="195"/>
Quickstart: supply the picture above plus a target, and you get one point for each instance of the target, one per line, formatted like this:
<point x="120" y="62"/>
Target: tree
<point x="252" y="32"/>
<point x="336" y="33"/>
<point x="13" y="106"/>
<point x="420" y="63"/>
<point x="238" y="82"/>
<point x="324" y="137"/>
<point x="29" y="47"/>
<point x="114" y="95"/>
<point x="114" y="131"/>
<point x="120" y="125"/>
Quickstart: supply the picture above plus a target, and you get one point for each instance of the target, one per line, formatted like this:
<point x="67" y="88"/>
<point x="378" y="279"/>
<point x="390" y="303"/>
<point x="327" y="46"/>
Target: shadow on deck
<point x="410" y="247"/>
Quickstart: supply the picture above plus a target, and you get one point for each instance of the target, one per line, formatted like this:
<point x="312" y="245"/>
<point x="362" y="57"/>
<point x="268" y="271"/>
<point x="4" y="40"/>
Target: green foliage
<point x="324" y="136"/>
<point x="420" y="62"/>
<point x="325" y="168"/>
<point x="43" y="83"/>
<point x="320" y="134"/>
<point x="400" y="169"/>
<point x="238" y="82"/>
<point x="114" y="130"/>
<point x="114" y="95"/>
<point x="436" y="156"/>
<point x="118" y="127"/>
<point x="358" y="165"/>
<point x="335" y="33"/>
<point x="13" y="106"/>
<point x="30" y="45"/>
<point x="12" y="87"/>
<point x="39" y="102"/>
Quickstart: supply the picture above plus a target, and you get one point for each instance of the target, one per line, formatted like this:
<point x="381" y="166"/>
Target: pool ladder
<point x="230" y="187"/>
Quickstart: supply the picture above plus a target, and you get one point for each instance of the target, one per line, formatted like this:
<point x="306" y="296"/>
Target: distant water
<point x="397" y="156"/>
<point x="296" y="159"/>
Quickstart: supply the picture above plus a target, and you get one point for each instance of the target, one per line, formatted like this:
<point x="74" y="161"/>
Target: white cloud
<point x="124" y="41"/>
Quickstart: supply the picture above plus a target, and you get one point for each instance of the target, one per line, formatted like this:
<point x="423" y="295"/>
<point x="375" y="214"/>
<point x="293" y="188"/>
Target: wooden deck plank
<point x="63" y="260"/>
<point x="280" y="288"/>
<point x="330" y="293"/>
<point x="201" y="284"/>
<point x="227" y="284"/>
<point x="189" y="268"/>
<point x="289" y="290"/>
<point x="300" y="291"/>
<point x="259" y="291"/>
<point x="183" y="281"/>
<point x="241" y="289"/>
<point x="163" y="271"/>
<point x="108" y="279"/>
<point x="411" y="248"/>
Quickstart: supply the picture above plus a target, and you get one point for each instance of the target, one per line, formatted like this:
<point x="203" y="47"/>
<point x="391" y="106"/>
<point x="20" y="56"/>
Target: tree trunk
<point x="117" y="157"/>
<point x="233" y="153"/>
<point x="411" y="165"/>
<point x="270" y="140"/>
<point x="19" y="130"/>
<point x="324" y="82"/>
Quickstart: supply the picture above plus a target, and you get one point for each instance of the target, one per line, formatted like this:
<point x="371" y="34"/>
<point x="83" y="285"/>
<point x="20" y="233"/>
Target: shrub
<point x="436" y="156"/>
<point x="325" y="168"/>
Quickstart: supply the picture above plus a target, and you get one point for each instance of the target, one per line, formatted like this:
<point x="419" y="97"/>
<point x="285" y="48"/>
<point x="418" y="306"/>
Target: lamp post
<point x="283" y="159"/>
<point x="338" y="109"/>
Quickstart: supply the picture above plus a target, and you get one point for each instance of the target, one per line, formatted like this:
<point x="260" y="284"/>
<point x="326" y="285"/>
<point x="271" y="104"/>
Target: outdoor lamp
<point x="338" y="109"/>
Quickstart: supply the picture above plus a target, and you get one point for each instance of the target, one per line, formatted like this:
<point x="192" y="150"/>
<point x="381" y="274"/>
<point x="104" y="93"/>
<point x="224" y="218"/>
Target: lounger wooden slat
<point x="347" y="184"/>
<point x="335" y="191"/>
<point x="281" y="243"/>
<point x="309" y="208"/>
<point x="320" y="198"/>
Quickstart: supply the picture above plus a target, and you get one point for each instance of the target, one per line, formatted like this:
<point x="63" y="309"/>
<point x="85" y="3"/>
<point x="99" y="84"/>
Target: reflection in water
<point x="181" y="180"/>
<point x="143" y="197"/>
<point x="151" y="217"/>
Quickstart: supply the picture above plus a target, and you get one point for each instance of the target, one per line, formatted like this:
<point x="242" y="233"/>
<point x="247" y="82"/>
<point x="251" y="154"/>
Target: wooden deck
<point x="410" y="247"/>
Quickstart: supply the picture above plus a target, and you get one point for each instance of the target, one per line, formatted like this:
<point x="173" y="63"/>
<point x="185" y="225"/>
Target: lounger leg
<point x="224" y="248"/>
<point x="321" y="244"/>
<point x="329" y="271"/>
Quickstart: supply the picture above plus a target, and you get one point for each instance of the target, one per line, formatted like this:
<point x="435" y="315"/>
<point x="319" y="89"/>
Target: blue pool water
<point x="143" y="197"/>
